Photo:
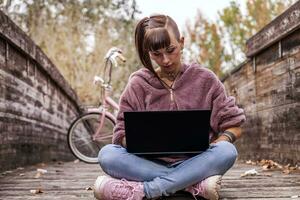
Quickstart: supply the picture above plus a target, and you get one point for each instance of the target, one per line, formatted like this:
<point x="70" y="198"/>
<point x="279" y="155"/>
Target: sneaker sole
<point x="213" y="194"/>
<point x="99" y="181"/>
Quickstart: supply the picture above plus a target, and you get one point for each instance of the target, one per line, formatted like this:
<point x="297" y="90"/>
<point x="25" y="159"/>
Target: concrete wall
<point x="267" y="86"/>
<point x="36" y="103"/>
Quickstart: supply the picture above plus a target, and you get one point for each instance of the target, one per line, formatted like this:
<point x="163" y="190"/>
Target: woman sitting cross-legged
<point x="172" y="85"/>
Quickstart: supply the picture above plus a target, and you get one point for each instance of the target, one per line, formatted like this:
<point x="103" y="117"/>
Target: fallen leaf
<point x="38" y="175"/>
<point x="76" y="161"/>
<point x="88" y="188"/>
<point x="6" y="172"/>
<point x="266" y="167"/>
<point x="43" y="171"/>
<point x="294" y="197"/>
<point x="250" y="162"/>
<point x="37" y="191"/>
<point x="286" y="171"/>
<point x="251" y="172"/>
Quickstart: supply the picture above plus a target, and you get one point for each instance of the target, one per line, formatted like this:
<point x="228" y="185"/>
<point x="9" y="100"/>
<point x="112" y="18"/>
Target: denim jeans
<point x="163" y="179"/>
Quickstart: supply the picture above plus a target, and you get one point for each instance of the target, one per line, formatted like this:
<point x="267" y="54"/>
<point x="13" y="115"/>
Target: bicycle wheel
<point x="80" y="136"/>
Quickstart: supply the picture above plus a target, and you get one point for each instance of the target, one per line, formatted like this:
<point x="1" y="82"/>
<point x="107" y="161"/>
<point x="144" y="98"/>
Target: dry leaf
<point x="250" y="162"/>
<point x="38" y="175"/>
<point x="286" y="171"/>
<point x="272" y="165"/>
<point x="251" y="172"/>
<point x="76" y="161"/>
<point x="37" y="191"/>
<point x="43" y="171"/>
<point x="266" y="167"/>
<point x="88" y="188"/>
<point x="6" y="172"/>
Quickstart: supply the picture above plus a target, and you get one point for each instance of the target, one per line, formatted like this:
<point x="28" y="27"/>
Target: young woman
<point x="173" y="85"/>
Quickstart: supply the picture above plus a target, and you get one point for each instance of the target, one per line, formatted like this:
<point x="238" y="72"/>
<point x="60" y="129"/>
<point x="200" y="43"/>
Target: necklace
<point x="171" y="76"/>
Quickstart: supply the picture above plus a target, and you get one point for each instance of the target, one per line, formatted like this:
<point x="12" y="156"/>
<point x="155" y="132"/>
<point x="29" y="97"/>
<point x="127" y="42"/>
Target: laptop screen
<point x="167" y="132"/>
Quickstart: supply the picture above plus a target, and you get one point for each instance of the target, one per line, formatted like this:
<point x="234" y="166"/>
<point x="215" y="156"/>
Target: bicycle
<point x="89" y="132"/>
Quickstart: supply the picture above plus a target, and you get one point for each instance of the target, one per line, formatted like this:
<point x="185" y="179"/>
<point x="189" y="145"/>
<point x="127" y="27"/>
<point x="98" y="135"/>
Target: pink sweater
<point x="196" y="87"/>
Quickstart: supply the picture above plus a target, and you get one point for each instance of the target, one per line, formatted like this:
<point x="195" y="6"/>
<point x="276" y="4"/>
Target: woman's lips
<point x="167" y="66"/>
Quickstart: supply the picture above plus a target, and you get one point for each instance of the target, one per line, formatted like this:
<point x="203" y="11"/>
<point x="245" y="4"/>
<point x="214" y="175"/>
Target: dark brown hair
<point x="152" y="33"/>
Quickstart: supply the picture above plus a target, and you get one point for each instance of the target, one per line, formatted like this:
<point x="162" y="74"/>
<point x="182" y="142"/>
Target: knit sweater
<point x="195" y="87"/>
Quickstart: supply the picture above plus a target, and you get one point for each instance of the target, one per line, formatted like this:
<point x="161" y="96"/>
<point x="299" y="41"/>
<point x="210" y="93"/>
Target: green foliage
<point x="205" y="35"/>
<point x="76" y="35"/>
<point x="222" y="44"/>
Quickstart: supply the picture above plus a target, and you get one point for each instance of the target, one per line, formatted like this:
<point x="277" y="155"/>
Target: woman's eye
<point x="156" y="54"/>
<point x="170" y="50"/>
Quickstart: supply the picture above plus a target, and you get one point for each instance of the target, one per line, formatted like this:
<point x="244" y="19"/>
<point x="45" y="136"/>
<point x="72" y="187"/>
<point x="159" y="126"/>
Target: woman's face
<point x="168" y="58"/>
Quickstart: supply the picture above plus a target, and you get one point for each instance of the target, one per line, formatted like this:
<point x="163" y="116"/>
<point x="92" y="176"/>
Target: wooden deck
<point x="69" y="180"/>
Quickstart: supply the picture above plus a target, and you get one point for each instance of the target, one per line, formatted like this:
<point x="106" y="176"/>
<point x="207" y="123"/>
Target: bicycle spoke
<point x="83" y="143"/>
<point x="103" y="137"/>
<point x="80" y="136"/>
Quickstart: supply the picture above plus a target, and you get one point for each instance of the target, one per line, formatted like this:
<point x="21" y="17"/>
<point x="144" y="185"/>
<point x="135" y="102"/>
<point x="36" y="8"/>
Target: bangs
<point x="157" y="38"/>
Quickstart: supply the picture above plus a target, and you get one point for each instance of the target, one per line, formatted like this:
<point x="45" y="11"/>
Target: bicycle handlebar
<point x="114" y="53"/>
<point x="111" y="58"/>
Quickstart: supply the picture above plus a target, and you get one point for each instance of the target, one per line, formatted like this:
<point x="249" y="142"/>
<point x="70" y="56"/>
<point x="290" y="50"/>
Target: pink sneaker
<point x="108" y="188"/>
<point x="208" y="188"/>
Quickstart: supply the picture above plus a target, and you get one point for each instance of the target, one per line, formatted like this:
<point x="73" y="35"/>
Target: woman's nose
<point x="166" y="59"/>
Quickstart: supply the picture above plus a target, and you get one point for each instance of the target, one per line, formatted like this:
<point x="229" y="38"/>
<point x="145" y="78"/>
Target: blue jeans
<point x="163" y="179"/>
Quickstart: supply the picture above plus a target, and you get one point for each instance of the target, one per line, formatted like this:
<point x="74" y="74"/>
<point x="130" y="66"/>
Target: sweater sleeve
<point x="225" y="112"/>
<point x="129" y="101"/>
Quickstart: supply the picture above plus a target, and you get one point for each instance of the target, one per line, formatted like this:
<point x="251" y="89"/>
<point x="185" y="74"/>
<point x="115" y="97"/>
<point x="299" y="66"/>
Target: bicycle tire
<point x="81" y="131"/>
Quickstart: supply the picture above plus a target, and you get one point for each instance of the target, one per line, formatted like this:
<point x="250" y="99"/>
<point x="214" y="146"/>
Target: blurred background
<point x="75" y="35"/>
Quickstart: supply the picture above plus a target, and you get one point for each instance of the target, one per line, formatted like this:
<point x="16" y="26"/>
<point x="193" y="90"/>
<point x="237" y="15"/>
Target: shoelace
<point x="119" y="192"/>
<point x="198" y="189"/>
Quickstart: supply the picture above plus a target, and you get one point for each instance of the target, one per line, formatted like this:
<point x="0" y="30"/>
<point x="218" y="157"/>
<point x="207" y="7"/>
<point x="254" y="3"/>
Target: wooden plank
<point x="69" y="181"/>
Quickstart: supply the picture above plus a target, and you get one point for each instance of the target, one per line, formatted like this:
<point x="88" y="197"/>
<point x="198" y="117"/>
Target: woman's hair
<point x="153" y="33"/>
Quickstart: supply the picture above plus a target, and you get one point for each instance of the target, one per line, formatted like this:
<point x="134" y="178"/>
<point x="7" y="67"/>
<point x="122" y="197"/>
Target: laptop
<point x="163" y="133"/>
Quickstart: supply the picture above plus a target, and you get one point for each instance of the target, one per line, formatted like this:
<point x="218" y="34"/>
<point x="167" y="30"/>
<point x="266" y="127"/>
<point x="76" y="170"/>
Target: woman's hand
<point x="124" y="142"/>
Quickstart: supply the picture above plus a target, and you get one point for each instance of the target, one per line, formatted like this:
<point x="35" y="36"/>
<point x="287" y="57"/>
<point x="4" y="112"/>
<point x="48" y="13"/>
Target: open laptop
<point x="162" y="133"/>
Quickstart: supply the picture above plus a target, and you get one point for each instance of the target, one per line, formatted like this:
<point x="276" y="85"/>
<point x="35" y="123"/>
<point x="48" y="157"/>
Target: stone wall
<point x="36" y="103"/>
<point x="267" y="86"/>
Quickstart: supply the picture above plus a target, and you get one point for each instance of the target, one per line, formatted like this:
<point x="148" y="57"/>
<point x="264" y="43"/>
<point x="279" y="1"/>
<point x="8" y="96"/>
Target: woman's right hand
<point x="124" y="142"/>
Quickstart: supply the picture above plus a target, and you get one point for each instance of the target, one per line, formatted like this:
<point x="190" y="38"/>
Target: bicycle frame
<point x="107" y="101"/>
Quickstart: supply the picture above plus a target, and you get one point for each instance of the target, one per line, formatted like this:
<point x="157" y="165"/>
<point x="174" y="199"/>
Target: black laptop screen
<point x="167" y="132"/>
